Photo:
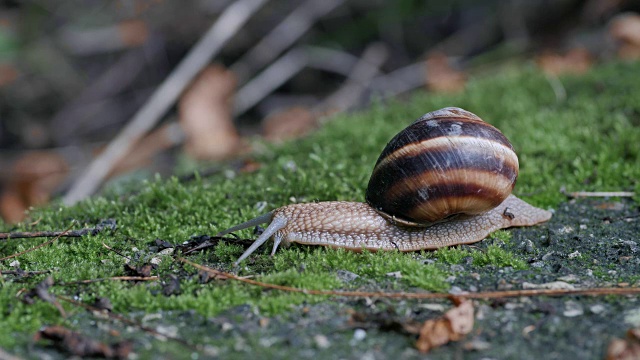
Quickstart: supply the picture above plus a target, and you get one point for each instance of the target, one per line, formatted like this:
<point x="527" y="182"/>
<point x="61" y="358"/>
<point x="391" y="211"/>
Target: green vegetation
<point x="587" y="141"/>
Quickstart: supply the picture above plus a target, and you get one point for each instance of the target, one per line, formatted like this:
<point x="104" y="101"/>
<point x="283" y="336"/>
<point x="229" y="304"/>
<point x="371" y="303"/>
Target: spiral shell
<point x="446" y="164"/>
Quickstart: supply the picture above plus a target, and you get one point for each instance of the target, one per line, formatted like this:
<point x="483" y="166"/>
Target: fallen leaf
<point x="133" y="32"/>
<point x="625" y="349"/>
<point x="145" y="149"/>
<point x="624" y="29"/>
<point x="41" y="291"/>
<point x="8" y="73"/>
<point x="291" y="123"/>
<point x="79" y="345"/>
<point x="575" y="61"/>
<point x="205" y="111"/>
<point x="441" y="76"/>
<point x="143" y="270"/>
<point x="32" y="179"/>
<point x="452" y="326"/>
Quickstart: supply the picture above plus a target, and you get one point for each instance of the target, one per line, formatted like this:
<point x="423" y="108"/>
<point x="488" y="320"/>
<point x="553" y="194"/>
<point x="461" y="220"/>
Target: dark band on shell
<point x="446" y="163"/>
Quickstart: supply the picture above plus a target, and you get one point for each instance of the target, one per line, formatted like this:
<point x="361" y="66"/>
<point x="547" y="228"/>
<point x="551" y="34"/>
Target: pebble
<point x="321" y="341"/>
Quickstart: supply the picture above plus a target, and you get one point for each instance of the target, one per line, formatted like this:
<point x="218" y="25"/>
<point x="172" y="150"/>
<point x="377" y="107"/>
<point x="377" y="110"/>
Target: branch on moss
<point x="109" y="224"/>
<point x="408" y="295"/>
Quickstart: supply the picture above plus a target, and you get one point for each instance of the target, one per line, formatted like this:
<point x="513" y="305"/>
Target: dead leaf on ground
<point x="625" y="349"/>
<point x="79" y="345"/>
<point x="441" y="76"/>
<point x="8" y="73"/>
<point x="625" y="30"/>
<point x="133" y="32"/>
<point x="143" y="152"/>
<point x="291" y="123"/>
<point x="41" y="291"/>
<point x="205" y="111"/>
<point x="575" y="61"/>
<point x="30" y="181"/>
<point x="142" y="270"/>
<point x="452" y="326"/>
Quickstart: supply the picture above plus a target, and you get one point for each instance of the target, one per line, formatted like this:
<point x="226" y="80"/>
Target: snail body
<point x="444" y="180"/>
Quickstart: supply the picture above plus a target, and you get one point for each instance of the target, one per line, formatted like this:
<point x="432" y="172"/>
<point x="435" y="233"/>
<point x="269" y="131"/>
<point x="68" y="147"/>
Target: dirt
<point x="588" y="243"/>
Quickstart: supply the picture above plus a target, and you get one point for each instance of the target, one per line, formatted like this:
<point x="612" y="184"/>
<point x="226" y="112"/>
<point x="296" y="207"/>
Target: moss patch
<point x="586" y="142"/>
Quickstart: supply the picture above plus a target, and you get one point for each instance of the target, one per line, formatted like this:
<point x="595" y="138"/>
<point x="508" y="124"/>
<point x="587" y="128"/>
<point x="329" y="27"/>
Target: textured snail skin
<point x="357" y="226"/>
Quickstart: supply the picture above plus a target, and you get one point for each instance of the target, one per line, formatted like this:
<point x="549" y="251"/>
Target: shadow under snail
<point x="444" y="180"/>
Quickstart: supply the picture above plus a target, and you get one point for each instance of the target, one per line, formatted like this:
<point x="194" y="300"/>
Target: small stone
<point x="572" y="309"/>
<point x="321" y="341"/>
<point x="574" y="254"/>
<point x="597" y="309"/>
<point x="569" y="278"/>
<point x="450" y="279"/>
<point x="476" y="345"/>
<point x="346" y="276"/>
<point x="554" y="285"/>
<point x="503" y="285"/>
<point x="395" y="274"/>
<point x="359" y="335"/>
<point x="226" y="326"/>
<point x="456" y="267"/>
<point x="433" y="307"/>
<point x="15" y="264"/>
<point x="632" y="317"/>
<point x="547" y="256"/>
<point x="475" y="276"/>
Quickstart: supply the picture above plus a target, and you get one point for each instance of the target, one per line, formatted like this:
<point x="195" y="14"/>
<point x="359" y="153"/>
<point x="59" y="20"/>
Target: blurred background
<point x="96" y="90"/>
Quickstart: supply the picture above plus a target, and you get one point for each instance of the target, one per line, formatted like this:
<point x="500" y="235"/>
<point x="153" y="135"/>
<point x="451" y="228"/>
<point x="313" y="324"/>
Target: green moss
<point x="587" y="141"/>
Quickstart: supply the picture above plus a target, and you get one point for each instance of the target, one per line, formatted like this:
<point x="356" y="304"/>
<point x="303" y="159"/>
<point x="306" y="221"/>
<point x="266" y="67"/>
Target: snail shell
<point x="446" y="180"/>
<point x="448" y="163"/>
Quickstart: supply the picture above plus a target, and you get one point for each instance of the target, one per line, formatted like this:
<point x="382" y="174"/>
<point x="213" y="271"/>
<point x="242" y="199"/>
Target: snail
<point x="444" y="180"/>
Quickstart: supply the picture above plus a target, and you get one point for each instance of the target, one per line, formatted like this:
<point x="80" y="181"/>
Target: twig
<point x="229" y="22"/>
<point x="114" y="278"/>
<point x="556" y="85"/>
<point x="350" y="92"/>
<point x="117" y="77"/>
<point x="39" y="246"/>
<point x="286" y="67"/>
<point x="407" y="295"/>
<point x="399" y="81"/>
<point x="601" y="194"/>
<point x="129" y="322"/>
<point x="66" y="233"/>
<point x="282" y="36"/>
<point x="23" y="272"/>
<point x="116" y="251"/>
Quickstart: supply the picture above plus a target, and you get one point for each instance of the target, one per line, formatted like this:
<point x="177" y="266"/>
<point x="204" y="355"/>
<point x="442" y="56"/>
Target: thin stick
<point x="114" y="278"/>
<point x="296" y="24"/>
<point x="22" y="272"/>
<point x="286" y="67"/>
<point x="36" y="234"/>
<point x="602" y="194"/>
<point x="229" y="22"/>
<point x="350" y="92"/>
<point x="39" y="246"/>
<point x="406" y="295"/>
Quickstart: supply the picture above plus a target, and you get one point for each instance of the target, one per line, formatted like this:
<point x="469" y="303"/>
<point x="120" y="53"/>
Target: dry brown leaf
<point x="625" y="349"/>
<point x="133" y="32"/>
<point x="144" y="150"/>
<point x="206" y="117"/>
<point x="625" y="30"/>
<point x="8" y="73"/>
<point x="575" y="61"/>
<point x="289" y="124"/>
<point x="79" y="345"/>
<point x="452" y="326"/>
<point x="441" y="77"/>
<point x="31" y="180"/>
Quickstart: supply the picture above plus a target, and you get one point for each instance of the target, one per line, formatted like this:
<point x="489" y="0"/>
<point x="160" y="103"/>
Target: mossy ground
<point x="588" y="141"/>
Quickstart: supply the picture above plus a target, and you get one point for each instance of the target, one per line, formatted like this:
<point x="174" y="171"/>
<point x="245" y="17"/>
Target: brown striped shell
<point x="446" y="164"/>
